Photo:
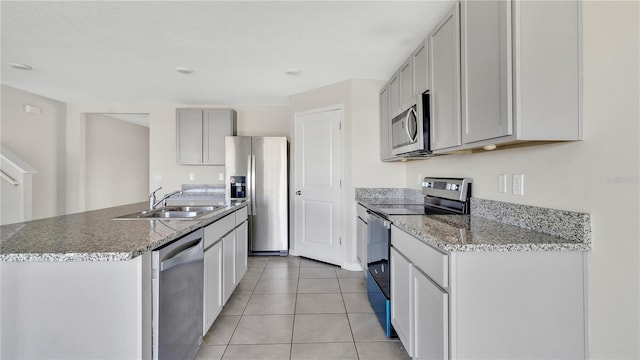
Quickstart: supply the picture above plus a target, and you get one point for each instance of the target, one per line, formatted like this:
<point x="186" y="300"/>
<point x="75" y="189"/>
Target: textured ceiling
<point x="127" y="51"/>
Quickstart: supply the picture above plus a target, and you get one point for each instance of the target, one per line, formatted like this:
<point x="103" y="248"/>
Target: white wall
<point x="598" y="175"/>
<point x="361" y="153"/>
<point x="38" y="139"/>
<point x="117" y="162"/>
<point x="163" y="169"/>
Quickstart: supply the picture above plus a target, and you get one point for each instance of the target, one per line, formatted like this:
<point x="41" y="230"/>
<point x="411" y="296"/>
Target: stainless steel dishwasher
<point x="177" y="281"/>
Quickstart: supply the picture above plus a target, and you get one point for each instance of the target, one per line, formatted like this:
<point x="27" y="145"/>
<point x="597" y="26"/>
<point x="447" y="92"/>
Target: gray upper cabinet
<point x="520" y="82"/>
<point x="200" y="135"/>
<point x="547" y="63"/>
<point x="420" y="63"/>
<point x="406" y="84"/>
<point x="385" y="126"/>
<point x="444" y="51"/>
<point x="189" y="136"/>
<point x="486" y="70"/>
<point x="394" y="94"/>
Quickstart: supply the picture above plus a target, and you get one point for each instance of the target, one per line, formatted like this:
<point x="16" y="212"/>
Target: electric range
<point x="443" y="196"/>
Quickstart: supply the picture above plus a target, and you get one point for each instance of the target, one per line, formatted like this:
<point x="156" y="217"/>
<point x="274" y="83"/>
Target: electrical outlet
<point x="221" y="176"/>
<point x="192" y="177"/>
<point x="502" y="183"/>
<point x="157" y="177"/>
<point x="518" y="184"/>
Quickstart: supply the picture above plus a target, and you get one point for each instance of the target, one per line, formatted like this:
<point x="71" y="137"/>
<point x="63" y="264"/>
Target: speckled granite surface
<point x="94" y="236"/>
<point x="452" y="233"/>
<point x="389" y="196"/>
<point x="565" y="224"/>
<point x="492" y="225"/>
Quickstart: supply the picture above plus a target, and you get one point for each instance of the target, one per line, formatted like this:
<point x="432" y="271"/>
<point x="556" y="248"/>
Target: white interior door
<point x="318" y="172"/>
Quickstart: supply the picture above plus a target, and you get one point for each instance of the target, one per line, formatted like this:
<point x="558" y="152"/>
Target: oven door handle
<point x="385" y="222"/>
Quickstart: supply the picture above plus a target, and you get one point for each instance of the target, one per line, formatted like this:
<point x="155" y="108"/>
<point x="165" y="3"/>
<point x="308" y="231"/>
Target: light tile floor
<point x="295" y="308"/>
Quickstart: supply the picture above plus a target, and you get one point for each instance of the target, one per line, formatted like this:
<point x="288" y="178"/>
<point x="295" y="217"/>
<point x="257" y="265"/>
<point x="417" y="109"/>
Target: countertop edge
<point x="121" y="256"/>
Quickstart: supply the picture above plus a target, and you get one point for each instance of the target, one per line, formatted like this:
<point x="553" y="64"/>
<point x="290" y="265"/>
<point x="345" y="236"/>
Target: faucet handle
<point x="153" y="193"/>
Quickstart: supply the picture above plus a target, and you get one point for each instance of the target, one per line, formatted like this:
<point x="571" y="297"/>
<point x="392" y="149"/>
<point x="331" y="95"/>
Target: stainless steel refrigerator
<point x="256" y="169"/>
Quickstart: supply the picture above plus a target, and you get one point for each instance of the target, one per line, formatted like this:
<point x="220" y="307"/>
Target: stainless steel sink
<point x="171" y="213"/>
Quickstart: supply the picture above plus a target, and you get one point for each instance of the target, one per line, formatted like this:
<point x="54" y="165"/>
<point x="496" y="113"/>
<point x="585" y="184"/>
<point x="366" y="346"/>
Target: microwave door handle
<point x="407" y="119"/>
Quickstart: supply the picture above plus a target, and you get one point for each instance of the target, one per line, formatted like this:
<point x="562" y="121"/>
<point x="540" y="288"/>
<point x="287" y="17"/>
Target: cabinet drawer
<point x="432" y="262"/>
<point x="362" y="213"/>
<point x="218" y="229"/>
<point x="241" y="215"/>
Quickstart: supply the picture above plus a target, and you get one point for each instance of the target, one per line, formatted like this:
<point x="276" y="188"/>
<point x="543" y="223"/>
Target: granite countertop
<point x="492" y="225"/>
<point x="452" y="233"/>
<point x="94" y="236"/>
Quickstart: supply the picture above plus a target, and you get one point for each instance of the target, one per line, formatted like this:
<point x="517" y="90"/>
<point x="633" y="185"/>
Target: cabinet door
<point x="189" y="136"/>
<point x="229" y="279"/>
<point x="406" y="83"/>
<point x="217" y="124"/>
<point x="401" y="296"/>
<point x="242" y="240"/>
<point x="420" y="61"/>
<point x="394" y="95"/>
<point x="486" y="69"/>
<point x="444" y="42"/>
<point x="430" y="318"/>
<point x="385" y="125"/>
<point x="212" y="285"/>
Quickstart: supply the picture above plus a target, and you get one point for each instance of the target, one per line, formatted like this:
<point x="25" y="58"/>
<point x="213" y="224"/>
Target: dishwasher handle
<point x="185" y="253"/>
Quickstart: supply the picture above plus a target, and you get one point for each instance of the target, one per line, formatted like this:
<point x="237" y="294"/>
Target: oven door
<point x="378" y="243"/>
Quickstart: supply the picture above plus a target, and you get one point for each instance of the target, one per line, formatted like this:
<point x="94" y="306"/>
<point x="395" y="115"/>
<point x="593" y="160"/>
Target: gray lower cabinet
<point x="225" y="262"/>
<point x="401" y="309"/>
<point x="229" y="270"/>
<point x="430" y="305"/>
<point x="444" y="42"/>
<point x="491" y="305"/>
<point x="212" y="285"/>
<point x="200" y="135"/>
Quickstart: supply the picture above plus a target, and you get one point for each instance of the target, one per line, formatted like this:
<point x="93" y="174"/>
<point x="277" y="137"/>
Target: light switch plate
<point x="502" y="183"/>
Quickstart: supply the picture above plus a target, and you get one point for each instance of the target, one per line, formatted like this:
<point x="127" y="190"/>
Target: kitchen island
<point x="79" y="285"/>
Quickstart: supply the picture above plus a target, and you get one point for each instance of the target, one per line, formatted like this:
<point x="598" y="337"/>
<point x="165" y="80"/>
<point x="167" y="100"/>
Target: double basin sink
<point x="171" y="213"/>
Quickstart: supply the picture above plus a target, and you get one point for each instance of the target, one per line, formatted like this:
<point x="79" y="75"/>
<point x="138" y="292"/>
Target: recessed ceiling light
<point x="292" y="71"/>
<point x="184" y="70"/>
<point x="21" y="66"/>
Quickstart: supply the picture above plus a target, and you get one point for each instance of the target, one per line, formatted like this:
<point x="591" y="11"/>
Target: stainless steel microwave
<point x="410" y="129"/>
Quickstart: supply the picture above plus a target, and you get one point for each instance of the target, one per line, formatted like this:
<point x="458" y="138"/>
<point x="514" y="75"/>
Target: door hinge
<point x="340" y="182"/>
<point x="340" y="238"/>
<point x="339" y="126"/>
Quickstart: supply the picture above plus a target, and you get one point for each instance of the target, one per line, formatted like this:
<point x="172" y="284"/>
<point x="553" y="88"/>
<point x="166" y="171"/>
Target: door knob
<point x="298" y="192"/>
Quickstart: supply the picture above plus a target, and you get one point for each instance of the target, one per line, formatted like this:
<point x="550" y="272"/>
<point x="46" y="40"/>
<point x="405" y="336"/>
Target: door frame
<point x="341" y="205"/>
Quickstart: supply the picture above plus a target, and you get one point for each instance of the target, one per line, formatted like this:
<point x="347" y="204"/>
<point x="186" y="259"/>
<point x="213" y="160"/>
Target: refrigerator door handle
<point x="253" y="183"/>
<point x="249" y="184"/>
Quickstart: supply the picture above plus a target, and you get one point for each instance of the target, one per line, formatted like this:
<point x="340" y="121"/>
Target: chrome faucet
<point x="152" y="198"/>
